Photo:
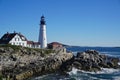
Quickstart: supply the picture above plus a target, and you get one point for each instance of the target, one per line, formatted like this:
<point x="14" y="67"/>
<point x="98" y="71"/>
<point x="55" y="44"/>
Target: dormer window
<point x="23" y="38"/>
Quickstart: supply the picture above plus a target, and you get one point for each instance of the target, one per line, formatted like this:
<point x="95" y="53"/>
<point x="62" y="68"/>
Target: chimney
<point x="14" y="31"/>
<point x="7" y="32"/>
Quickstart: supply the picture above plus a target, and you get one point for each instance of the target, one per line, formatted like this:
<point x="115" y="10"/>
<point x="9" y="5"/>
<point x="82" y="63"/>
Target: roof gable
<point x="6" y="38"/>
<point x="55" y="43"/>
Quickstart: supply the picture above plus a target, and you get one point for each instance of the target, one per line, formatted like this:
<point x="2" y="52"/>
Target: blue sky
<point x="73" y="22"/>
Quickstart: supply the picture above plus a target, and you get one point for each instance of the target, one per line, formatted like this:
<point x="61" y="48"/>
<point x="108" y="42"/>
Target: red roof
<point x="55" y="43"/>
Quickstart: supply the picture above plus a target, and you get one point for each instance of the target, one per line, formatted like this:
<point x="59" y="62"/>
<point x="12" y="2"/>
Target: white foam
<point x="108" y="70"/>
<point x="103" y="71"/>
<point x="75" y="53"/>
<point x="112" y="54"/>
<point x="117" y="78"/>
<point x="118" y="63"/>
<point x="108" y="52"/>
<point x="74" y="71"/>
<point x="40" y="77"/>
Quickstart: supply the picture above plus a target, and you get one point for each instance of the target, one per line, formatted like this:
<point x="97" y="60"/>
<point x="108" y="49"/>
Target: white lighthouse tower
<point x="42" y="33"/>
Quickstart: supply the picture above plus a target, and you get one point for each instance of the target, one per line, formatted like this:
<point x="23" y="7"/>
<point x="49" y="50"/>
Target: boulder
<point x="92" y="60"/>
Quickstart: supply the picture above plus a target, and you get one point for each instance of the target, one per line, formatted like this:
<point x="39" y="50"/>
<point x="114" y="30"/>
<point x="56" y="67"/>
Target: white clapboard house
<point x="18" y="39"/>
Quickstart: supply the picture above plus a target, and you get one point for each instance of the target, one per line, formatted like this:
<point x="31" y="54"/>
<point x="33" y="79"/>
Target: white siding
<point x="33" y="46"/>
<point x="18" y="41"/>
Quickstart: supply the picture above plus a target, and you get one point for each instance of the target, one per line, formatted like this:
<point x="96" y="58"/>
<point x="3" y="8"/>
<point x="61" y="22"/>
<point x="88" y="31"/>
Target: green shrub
<point x="0" y="77"/>
<point x="16" y="48"/>
<point x="11" y="46"/>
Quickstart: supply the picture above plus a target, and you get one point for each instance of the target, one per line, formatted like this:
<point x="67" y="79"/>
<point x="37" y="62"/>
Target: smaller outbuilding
<point x="55" y="45"/>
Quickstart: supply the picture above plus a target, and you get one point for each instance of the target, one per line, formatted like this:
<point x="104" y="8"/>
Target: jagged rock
<point x="21" y="63"/>
<point x="92" y="60"/>
<point x="113" y="63"/>
<point x="2" y="50"/>
<point x="77" y="65"/>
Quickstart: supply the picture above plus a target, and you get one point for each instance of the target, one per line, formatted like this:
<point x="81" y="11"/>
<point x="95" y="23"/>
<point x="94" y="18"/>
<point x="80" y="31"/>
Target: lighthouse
<point x="42" y="33"/>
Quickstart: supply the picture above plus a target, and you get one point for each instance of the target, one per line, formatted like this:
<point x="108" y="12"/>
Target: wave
<point x="103" y="71"/>
<point x="108" y="52"/>
<point x="108" y="71"/>
<point x="104" y="74"/>
<point x="112" y="54"/>
<point x="119" y="63"/>
<point x="74" y="71"/>
<point x="117" y="78"/>
<point x="75" y="74"/>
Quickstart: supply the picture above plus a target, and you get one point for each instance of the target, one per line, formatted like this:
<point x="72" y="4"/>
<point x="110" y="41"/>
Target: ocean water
<point x="105" y="74"/>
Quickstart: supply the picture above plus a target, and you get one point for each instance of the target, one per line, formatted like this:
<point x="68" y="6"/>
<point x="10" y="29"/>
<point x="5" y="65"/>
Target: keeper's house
<point x="18" y="39"/>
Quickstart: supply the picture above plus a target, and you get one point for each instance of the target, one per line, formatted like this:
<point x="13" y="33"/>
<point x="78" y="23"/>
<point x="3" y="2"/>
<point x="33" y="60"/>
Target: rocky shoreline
<point x="20" y="63"/>
<point x="92" y="60"/>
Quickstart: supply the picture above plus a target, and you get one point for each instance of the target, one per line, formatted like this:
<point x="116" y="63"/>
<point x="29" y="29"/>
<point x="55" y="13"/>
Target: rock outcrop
<point x="19" y="63"/>
<point x="92" y="60"/>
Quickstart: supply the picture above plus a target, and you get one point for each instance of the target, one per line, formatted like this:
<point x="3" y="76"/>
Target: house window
<point x="18" y="39"/>
<point x="15" y="39"/>
<point x="19" y="43"/>
<point x="13" y="43"/>
<point x="23" y="44"/>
